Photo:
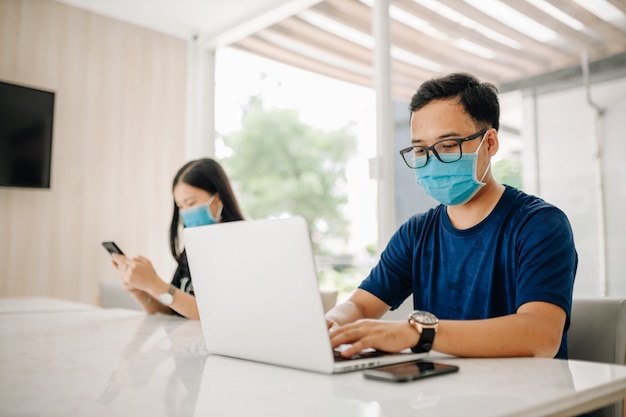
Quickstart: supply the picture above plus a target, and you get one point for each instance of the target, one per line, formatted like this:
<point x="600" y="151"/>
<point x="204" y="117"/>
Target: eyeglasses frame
<point x="428" y="149"/>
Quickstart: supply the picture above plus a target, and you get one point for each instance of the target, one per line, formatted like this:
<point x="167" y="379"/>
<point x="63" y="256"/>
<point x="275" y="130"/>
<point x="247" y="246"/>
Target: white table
<point x="95" y="362"/>
<point x="40" y="304"/>
<point x="483" y="387"/>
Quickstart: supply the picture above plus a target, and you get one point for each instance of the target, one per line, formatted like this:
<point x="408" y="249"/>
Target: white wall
<point x="118" y="139"/>
<point x="565" y="127"/>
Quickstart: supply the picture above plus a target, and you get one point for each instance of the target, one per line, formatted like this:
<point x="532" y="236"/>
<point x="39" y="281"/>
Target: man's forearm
<point x="536" y="330"/>
<point x="344" y="313"/>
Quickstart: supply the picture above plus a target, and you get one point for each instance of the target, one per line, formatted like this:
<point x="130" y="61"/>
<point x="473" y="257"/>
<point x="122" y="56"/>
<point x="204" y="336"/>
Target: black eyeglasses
<point x="446" y="150"/>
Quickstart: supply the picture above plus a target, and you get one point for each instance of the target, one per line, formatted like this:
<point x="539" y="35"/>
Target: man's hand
<point x="389" y="336"/>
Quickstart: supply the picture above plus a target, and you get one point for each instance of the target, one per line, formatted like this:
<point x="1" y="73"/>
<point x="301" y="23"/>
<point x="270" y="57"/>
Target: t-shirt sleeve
<point x="547" y="259"/>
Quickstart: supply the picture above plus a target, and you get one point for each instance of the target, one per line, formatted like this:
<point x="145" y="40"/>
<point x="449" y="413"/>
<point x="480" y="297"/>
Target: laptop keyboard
<point x="362" y="355"/>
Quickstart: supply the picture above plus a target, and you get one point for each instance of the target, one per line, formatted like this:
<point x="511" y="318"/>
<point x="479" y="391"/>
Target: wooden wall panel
<point x="119" y="130"/>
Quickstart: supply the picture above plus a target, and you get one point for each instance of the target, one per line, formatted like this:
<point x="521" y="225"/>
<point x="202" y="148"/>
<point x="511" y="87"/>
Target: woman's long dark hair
<point x="208" y="175"/>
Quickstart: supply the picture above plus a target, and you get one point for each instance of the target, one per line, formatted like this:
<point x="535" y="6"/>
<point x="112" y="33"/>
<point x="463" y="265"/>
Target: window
<point x="294" y="142"/>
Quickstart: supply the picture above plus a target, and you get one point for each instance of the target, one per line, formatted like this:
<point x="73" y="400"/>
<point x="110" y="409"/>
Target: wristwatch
<point x="426" y="325"/>
<point x="167" y="298"/>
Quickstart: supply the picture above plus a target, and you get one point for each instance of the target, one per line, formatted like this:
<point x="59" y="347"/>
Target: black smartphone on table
<point x="112" y="248"/>
<point x="409" y="371"/>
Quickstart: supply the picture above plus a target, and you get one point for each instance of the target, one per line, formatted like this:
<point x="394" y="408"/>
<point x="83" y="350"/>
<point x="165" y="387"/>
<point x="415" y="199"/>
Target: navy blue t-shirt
<point x="522" y="252"/>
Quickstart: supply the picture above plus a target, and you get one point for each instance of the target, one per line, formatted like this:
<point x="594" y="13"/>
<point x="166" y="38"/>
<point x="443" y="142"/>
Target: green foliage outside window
<point x="284" y="167"/>
<point x="509" y="171"/>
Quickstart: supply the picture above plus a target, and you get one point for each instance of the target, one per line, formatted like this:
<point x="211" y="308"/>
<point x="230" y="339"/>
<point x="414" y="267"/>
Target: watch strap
<point x="425" y="343"/>
<point x="172" y="289"/>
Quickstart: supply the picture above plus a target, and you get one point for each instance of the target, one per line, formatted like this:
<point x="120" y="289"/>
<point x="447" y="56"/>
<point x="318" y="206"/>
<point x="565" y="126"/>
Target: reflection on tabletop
<point x="482" y="388"/>
<point x="150" y="355"/>
<point x="99" y="362"/>
<point x="233" y="387"/>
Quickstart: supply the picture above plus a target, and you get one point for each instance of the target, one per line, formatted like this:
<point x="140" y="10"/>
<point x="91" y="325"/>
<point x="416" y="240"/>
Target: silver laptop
<point x="256" y="286"/>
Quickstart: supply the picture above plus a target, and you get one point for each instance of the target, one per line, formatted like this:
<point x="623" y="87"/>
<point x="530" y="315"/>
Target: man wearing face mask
<point x="491" y="269"/>
<point x="202" y="196"/>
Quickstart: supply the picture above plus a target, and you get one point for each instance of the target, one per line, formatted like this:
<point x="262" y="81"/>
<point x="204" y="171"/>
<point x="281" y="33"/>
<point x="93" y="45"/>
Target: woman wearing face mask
<point x="202" y="196"/>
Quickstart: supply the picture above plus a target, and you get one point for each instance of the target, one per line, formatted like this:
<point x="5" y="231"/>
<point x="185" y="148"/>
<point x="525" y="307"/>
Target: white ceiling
<point x="209" y="20"/>
<point x="503" y="41"/>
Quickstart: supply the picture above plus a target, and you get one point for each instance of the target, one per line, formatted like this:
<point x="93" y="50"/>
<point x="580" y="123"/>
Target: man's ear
<point x="493" y="142"/>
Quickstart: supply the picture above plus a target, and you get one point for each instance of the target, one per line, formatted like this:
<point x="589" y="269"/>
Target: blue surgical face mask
<point x="200" y="215"/>
<point x="452" y="183"/>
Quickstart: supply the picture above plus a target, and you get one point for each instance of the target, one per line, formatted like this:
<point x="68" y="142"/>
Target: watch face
<point x="424" y="317"/>
<point x="166" y="298"/>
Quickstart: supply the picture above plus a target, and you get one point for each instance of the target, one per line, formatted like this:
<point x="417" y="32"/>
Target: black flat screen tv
<point x="26" y="116"/>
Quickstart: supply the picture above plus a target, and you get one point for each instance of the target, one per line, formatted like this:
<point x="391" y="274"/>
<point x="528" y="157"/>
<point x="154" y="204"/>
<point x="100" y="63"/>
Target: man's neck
<point x="478" y="208"/>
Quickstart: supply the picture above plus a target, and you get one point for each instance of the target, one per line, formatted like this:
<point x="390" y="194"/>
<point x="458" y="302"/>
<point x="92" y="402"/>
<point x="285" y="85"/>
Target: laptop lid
<point x="256" y="287"/>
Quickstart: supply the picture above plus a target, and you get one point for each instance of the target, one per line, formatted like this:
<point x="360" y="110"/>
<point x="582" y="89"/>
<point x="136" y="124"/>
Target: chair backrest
<point x="598" y="333"/>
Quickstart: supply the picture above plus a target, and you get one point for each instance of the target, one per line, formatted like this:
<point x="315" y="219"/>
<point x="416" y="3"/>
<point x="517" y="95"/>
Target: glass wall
<point x="333" y="125"/>
<point x="294" y="142"/>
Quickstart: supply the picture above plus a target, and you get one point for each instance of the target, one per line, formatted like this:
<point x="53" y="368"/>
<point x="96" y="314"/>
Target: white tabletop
<point x="95" y="362"/>
<point x="483" y="387"/>
<point x="40" y="304"/>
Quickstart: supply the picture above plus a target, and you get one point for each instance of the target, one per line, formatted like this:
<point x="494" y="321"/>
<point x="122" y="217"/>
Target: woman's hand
<point x="137" y="273"/>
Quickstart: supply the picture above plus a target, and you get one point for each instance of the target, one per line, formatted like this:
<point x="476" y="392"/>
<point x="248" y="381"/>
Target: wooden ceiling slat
<point x="574" y="36"/>
<point x="358" y="16"/>
<point x="305" y="32"/>
<point x="336" y="51"/>
<point x="608" y="31"/>
<point x="308" y="34"/>
<point x="261" y="47"/>
<point x="343" y="48"/>
<point x="300" y="47"/>
<point x="456" y="61"/>
<point x="522" y="58"/>
<point x="402" y="86"/>
<point x="555" y="55"/>
<point x="620" y="4"/>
